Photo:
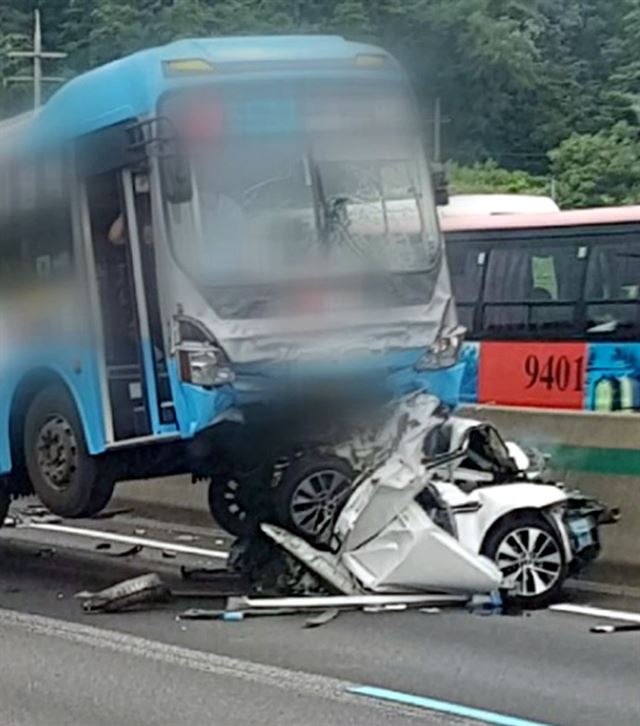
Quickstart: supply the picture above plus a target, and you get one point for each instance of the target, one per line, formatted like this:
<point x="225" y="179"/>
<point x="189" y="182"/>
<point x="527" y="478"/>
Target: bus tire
<point x="5" y="501"/>
<point x="64" y="476"/>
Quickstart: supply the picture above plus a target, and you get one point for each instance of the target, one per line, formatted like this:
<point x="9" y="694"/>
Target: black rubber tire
<point x="238" y="513"/>
<point x="518" y="521"/>
<point x="5" y="501"/>
<point x="86" y="489"/>
<point x="298" y="471"/>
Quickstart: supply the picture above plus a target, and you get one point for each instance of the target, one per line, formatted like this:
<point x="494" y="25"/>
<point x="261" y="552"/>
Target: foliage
<point x="598" y="169"/>
<point x="489" y="178"/>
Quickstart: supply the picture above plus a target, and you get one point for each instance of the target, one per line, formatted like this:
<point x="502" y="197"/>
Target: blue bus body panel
<point x="130" y="87"/>
<point x="77" y="370"/>
<point x="198" y="408"/>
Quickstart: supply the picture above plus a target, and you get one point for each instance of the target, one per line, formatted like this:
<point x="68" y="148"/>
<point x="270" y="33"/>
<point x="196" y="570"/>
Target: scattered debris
<point x="34" y="510"/>
<point x="45" y="552"/>
<point x="110" y="513"/>
<point x="140" y="532"/>
<point x="219" y="582"/>
<point x="322" y="618"/>
<point x="10" y="521"/>
<point x="232" y="615"/>
<point x="169" y="554"/>
<point x="398" y="607"/>
<point x="610" y="629"/>
<point x="326" y="602"/>
<point x="46" y="518"/>
<point x="111" y="551"/>
<point x="144" y="590"/>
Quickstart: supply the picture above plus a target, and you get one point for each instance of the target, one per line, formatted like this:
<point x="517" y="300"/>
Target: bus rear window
<point x="614" y="272"/>
<point x="533" y="274"/>
<point x="532" y="289"/>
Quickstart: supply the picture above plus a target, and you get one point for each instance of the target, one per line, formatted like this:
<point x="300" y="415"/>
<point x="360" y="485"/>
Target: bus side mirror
<point x="176" y="178"/>
<point x="440" y="187"/>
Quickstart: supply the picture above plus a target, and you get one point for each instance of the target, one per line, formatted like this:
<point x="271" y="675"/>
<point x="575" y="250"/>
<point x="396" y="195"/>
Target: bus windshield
<point x="296" y="181"/>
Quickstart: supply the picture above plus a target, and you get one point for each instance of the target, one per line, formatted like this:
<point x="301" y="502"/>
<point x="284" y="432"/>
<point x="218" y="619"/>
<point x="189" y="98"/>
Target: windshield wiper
<point x="320" y="205"/>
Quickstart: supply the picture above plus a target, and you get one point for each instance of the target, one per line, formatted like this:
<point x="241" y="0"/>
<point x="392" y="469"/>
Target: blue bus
<point x="206" y="249"/>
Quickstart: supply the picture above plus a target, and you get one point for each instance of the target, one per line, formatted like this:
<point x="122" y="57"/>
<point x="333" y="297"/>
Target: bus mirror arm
<point x="440" y="186"/>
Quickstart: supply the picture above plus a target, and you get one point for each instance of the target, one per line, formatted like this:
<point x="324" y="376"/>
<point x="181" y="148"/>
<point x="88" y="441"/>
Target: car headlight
<point x="443" y="352"/>
<point x="205" y="366"/>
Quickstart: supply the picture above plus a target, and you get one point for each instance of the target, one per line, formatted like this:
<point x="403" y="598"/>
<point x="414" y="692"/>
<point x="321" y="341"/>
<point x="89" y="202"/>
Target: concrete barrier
<point x="595" y="452"/>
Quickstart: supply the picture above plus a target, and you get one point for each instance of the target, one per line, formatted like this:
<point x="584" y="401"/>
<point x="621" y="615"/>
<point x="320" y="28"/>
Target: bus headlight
<point x="443" y="352"/>
<point x="205" y="367"/>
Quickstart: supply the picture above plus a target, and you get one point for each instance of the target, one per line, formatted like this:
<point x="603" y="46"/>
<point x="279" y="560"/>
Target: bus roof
<point x="130" y="87"/>
<point x="474" y="204"/>
<point x="571" y="218"/>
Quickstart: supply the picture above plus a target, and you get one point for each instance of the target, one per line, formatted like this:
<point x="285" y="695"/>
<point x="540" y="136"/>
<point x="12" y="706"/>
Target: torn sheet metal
<point x="325" y="565"/>
<point x="413" y="553"/>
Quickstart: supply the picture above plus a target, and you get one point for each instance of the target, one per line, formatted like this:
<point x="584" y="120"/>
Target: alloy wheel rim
<point x="530" y="560"/>
<point x="317" y="501"/>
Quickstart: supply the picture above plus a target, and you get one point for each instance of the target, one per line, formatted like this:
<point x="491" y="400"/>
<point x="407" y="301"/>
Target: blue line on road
<point x="433" y="704"/>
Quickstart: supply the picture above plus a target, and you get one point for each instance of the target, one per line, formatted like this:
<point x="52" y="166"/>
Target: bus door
<point x="136" y="391"/>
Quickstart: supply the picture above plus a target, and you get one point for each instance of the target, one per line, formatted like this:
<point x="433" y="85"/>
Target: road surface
<point x="150" y="668"/>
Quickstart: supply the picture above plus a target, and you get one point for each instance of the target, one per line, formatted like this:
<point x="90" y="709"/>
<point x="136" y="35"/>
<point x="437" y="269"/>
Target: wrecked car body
<point x="441" y="503"/>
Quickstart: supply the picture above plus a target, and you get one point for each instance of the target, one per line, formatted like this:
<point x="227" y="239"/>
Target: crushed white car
<point x="438" y="503"/>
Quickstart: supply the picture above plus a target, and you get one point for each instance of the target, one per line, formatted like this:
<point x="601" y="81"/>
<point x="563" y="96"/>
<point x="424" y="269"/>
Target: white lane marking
<point x="597" y="612"/>
<point x="275" y="676"/>
<point x="155" y="544"/>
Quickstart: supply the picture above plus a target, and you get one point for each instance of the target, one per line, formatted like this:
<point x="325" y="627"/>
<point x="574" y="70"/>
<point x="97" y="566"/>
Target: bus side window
<point x="612" y="290"/>
<point x="466" y="265"/>
<point x="531" y="288"/>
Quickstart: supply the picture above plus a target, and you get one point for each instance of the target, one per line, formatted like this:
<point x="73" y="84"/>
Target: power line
<point x="37" y="55"/>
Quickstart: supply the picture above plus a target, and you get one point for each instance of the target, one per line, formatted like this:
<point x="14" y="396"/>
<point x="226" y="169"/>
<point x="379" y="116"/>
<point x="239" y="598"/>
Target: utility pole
<point x="37" y="55"/>
<point x="437" y="132"/>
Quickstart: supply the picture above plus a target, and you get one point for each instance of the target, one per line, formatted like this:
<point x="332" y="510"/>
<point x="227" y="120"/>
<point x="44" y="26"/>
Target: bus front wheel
<point x="5" y="501"/>
<point x="64" y="476"/>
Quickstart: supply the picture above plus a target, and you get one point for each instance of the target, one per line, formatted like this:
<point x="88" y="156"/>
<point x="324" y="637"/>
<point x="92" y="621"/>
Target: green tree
<point x="598" y="169"/>
<point x="489" y="178"/>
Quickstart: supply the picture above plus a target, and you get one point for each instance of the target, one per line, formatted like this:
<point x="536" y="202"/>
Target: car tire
<point x="311" y="494"/>
<point x="237" y="505"/>
<point x="64" y="476"/>
<point x="528" y="549"/>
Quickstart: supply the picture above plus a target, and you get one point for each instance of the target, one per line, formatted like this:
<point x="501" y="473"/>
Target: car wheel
<point x="237" y="505"/>
<point x="64" y="476"/>
<point x="530" y="554"/>
<point x="311" y="494"/>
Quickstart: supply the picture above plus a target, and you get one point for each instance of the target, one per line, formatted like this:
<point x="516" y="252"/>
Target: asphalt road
<point x="546" y="667"/>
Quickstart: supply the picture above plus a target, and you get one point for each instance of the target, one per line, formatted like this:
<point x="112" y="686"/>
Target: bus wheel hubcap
<point x="57" y="452"/>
